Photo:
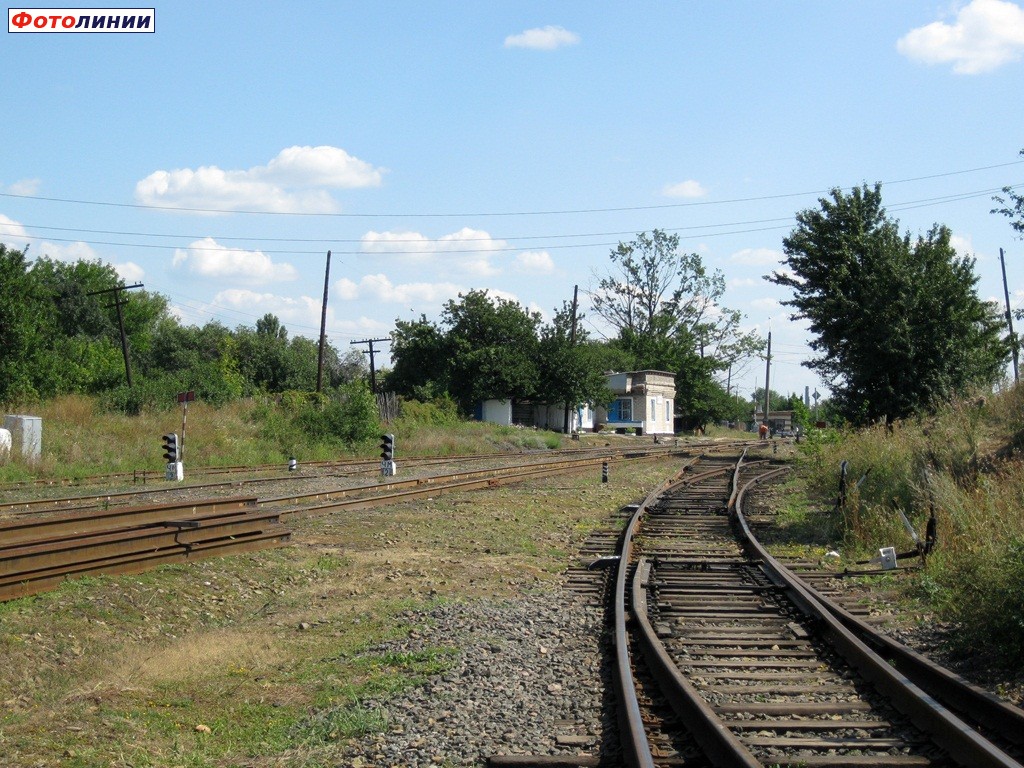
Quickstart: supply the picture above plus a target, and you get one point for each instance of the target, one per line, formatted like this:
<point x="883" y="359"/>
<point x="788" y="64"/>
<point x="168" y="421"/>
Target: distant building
<point x="644" y="402"/>
<point x="777" y="420"/>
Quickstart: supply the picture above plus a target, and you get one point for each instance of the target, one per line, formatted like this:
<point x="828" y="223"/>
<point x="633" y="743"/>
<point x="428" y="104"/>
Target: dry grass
<point x="964" y="463"/>
<point x="272" y="651"/>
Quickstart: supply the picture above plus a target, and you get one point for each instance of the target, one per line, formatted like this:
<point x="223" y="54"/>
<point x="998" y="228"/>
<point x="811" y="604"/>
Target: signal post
<point x="388" y="468"/>
<point x="172" y="454"/>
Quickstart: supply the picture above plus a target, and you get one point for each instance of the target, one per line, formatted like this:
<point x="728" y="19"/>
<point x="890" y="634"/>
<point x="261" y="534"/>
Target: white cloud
<point x="467" y="251"/>
<point x="303" y="310"/>
<point x="535" y="262"/>
<point x="24" y="187"/>
<point x="742" y="282"/>
<point x="208" y="258"/>
<point x="130" y="272"/>
<point x="68" y="252"/>
<point x="415" y="243"/>
<point x="13" y="234"/>
<point x="688" y="188"/>
<point x="766" y="304"/>
<point x="985" y="35"/>
<point x="287" y="184"/>
<point x="380" y="288"/>
<point x="542" y="38"/>
<point x="758" y="256"/>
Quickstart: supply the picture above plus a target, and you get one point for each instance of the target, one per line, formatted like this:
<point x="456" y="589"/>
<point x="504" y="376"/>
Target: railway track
<point x="324" y="471"/>
<point x="725" y="658"/>
<point x="39" y="551"/>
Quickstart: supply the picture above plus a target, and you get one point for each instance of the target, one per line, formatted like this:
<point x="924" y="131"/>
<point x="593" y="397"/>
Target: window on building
<point x="654" y="410"/>
<point x="668" y="411"/>
<point x="621" y="409"/>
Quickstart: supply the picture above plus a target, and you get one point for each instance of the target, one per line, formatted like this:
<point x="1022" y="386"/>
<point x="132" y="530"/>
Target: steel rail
<point x="27" y="529"/>
<point x="636" y="749"/>
<point x="427" y="487"/>
<point x="959" y="695"/>
<point x="109" y="497"/>
<point x="948" y="731"/>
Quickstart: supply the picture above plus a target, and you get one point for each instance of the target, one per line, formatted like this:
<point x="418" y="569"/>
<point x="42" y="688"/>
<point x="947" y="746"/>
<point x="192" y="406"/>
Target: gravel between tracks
<point x="507" y="692"/>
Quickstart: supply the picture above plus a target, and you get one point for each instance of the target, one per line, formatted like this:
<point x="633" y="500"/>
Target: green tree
<point x="666" y="307"/>
<point x="18" y="328"/>
<point x="493" y="346"/>
<point x="1012" y="207"/>
<point x="421" y="365"/>
<point x="898" y="324"/>
<point x="570" y="369"/>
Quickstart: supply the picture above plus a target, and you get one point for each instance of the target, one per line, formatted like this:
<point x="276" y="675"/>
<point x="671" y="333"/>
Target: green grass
<point x="80" y="439"/>
<point x="963" y="462"/>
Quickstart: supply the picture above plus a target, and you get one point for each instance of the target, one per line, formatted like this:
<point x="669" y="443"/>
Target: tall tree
<point x="493" y="343"/>
<point x="482" y="348"/>
<point x="18" y="329"/>
<point x="666" y="307"/>
<point x="570" y="370"/>
<point x="1012" y="207"/>
<point x="898" y="323"/>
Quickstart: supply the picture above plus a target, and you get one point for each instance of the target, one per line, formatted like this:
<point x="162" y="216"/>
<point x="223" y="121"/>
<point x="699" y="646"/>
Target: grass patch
<point x="281" y="653"/>
<point x="963" y="464"/>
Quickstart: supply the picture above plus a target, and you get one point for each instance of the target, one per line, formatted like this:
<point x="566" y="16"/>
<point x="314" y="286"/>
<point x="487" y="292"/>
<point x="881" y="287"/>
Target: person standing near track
<point x="762" y="431"/>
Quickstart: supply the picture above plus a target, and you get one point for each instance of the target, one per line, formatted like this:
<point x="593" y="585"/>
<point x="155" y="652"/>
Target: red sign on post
<point x="186" y="397"/>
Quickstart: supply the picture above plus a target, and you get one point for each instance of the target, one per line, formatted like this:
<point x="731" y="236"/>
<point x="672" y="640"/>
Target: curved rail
<point x="894" y="658"/>
<point x="943" y="727"/>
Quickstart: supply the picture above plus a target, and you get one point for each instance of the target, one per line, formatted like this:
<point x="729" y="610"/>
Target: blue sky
<point x="439" y="147"/>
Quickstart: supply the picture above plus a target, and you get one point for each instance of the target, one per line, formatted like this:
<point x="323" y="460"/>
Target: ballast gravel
<point x="529" y="679"/>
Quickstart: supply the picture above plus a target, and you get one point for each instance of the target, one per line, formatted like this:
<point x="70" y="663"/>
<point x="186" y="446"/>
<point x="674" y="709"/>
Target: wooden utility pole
<point x="120" y="323"/>
<point x="767" y="377"/>
<point x="566" y="427"/>
<point x="373" y="370"/>
<point x="1009" y="318"/>
<point x="323" y="329"/>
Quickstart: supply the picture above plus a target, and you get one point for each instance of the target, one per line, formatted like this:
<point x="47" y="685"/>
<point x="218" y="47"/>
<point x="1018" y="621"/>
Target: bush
<point x="987" y="594"/>
<point x="438" y="413"/>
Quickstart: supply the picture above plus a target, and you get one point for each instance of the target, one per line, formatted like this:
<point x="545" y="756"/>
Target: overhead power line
<point x="445" y="250"/>
<point x="468" y="214"/>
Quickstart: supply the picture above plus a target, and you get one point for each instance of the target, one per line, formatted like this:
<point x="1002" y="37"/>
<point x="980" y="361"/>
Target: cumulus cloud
<point x="689" y="188"/>
<point x="766" y="304"/>
<point x="535" y="262"/>
<point x="542" y="38"/>
<point x="292" y="182"/>
<point x="69" y="252"/>
<point x="985" y="35"/>
<point x="415" y="243"/>
<point x="758" y="257"/>
<point x="130" y="272"/>
<point x="303" y="310"/>
<point x="24" y="187"/>
<point x="742" y="282"/>
<point x="467" y="251"/>
<point x="12" y="233"/>
<point x="208" y="258"/>
<point x="380" y="288"/>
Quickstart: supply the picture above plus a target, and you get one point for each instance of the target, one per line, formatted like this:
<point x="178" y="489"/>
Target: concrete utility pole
<point x="373" y="370"/>
<point x="120" y="323"/>
<point x="323" y="329"/>
<point x="1009" y="318"/>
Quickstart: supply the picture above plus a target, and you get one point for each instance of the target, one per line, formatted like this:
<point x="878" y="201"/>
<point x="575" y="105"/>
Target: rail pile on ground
<point x="39" y="554"/>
